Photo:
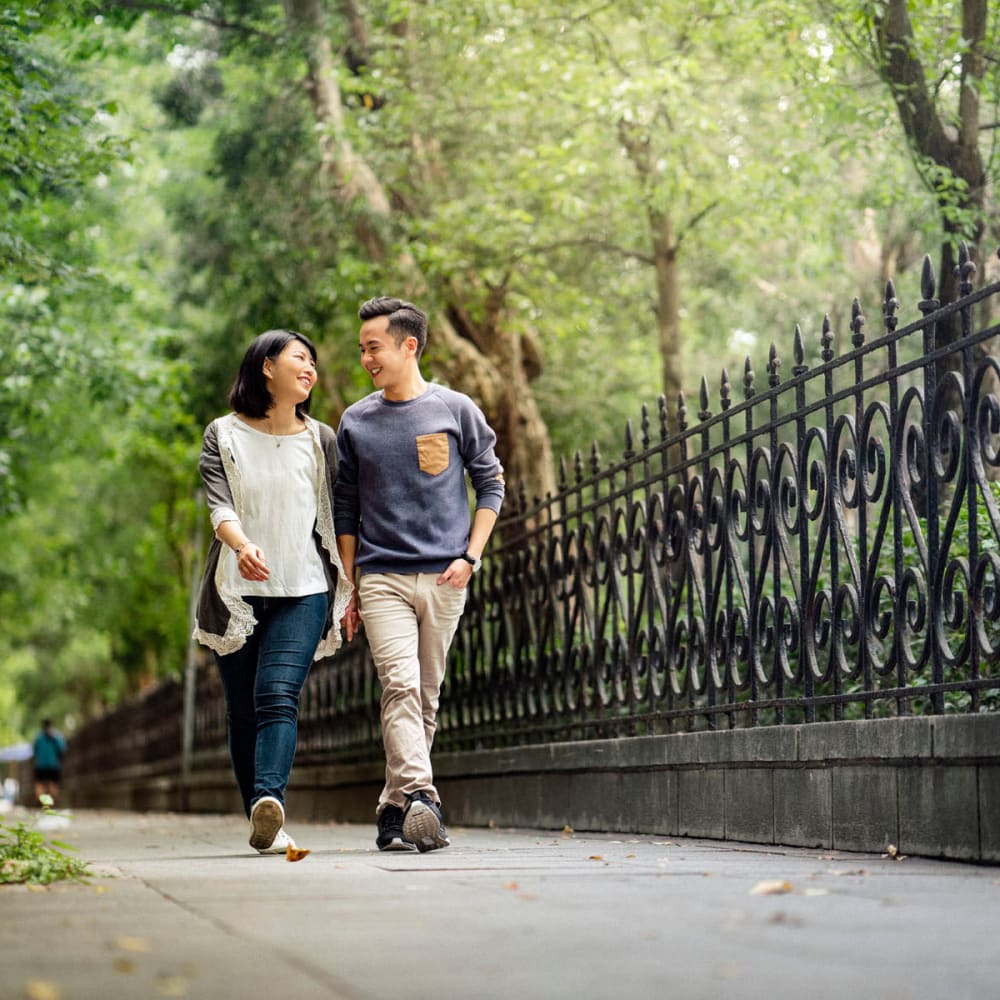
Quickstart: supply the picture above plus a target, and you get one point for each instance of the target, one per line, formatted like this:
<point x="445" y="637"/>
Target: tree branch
<point x="148" y="7"/>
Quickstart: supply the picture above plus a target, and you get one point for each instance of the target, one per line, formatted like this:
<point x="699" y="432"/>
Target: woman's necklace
<point x="270" y="430"/>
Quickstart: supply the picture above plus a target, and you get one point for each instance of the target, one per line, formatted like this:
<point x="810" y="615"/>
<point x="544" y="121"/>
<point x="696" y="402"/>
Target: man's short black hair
<point x="405" y="319"/>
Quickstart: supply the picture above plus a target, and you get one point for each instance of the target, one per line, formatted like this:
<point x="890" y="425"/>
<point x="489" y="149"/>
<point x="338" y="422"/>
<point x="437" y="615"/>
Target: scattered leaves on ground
<point x="892" y="851"/>
<point x="296" y="853"/>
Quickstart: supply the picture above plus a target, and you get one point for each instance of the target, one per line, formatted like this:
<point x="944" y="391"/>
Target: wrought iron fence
<point x="823" y="546"/>
<point x="820" y="546"/>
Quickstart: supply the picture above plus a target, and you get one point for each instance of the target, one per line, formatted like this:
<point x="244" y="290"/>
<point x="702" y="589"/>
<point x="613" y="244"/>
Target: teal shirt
<point x="49" y="749"/>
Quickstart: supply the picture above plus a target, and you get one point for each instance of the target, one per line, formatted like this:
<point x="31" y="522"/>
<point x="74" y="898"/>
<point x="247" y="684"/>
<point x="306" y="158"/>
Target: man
<point x="49" y="747"/>
<point x="401" y="515"/>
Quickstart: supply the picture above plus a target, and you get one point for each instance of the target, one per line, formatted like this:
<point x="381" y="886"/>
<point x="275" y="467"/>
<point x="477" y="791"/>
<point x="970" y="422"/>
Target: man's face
<point x="387" y="362"/>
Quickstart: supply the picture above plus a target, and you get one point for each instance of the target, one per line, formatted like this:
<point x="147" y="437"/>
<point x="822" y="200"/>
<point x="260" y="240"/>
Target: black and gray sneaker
<point x="390" y="830"/>
<point x="422" y="824"/>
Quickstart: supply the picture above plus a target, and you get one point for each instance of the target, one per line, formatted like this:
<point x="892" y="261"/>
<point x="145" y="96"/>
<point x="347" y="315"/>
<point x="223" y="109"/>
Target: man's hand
<point x="351" y="621"/>
<point x="458" y="574"/>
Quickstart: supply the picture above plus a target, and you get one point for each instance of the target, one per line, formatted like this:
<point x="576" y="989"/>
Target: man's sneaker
<point x="279" y="845"/>
<point x="266" y="818"/>
<point x="422" y="823"/>
<point x="390" y="830"/>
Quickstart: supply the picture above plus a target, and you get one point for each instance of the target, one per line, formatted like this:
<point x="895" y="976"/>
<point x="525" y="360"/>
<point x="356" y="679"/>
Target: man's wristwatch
<point x="472" y="561"/>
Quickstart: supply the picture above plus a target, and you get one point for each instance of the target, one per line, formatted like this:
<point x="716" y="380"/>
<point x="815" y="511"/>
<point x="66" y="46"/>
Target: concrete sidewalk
<point x="182" y="908"/>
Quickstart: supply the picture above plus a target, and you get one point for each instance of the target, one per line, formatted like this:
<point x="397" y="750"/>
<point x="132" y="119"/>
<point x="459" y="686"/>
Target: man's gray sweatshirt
<point x="401" y="479"/>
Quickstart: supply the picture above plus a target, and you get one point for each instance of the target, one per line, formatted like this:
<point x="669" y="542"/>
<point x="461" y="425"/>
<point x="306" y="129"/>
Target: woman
<point x="274" y="589"/>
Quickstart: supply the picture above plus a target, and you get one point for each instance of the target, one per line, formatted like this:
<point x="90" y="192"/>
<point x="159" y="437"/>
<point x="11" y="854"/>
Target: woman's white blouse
<point x="279" y="513"/>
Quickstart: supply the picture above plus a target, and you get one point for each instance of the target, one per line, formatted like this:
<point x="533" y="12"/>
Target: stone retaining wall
<point x="929" y="785"/>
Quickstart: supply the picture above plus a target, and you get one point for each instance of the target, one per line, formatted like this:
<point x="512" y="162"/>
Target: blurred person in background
<point x="49" y="748"/>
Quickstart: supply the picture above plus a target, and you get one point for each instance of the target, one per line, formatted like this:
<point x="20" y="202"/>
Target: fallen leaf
<point x="124" y="965"/>
<point x="595" y="857"/>
<point x="134" y="944"/>
<point x="629" y="855"/>
<point x="173" y="986"/>
<point x="771" y="887"/>
<point x="42" y="989"/>
<point x="892" y="851"/>
<point x="567" y="830"/>
<point x="513" y="886"/>
<point x="296" y="853"/>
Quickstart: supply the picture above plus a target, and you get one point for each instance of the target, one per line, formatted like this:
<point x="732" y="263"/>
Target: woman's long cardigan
<point x="223" y="620"/>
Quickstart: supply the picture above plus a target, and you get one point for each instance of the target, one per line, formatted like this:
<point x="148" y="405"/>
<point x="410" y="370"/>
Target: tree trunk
<point x="925" y="130"/>
<point x="483" y="359"/>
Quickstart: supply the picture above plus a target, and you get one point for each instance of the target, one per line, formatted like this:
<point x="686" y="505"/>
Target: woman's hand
<point x="251" y="563"/>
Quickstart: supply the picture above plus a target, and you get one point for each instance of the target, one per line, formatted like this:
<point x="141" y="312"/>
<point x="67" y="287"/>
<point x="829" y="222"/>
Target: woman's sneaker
<point x="390" y="830"/>
<point x="279" y="845"/>
<point x="422" y="823"/>
<point x="266" y="818"/>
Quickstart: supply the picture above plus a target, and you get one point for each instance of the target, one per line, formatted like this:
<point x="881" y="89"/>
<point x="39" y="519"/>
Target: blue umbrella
<point x="16" y="751"/>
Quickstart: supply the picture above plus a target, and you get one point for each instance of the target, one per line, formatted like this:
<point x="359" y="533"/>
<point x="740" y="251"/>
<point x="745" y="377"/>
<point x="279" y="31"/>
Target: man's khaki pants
<point x="410" y="621"/>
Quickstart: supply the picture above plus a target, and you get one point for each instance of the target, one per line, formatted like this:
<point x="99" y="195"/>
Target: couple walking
<point x="300" y="515"/>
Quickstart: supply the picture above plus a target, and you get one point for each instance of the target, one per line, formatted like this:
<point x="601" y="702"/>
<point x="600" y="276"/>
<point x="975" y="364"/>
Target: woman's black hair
<point x="250" y="394"/>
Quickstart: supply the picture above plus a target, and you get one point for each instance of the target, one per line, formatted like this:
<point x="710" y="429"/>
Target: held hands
<point x="251" y="563"/>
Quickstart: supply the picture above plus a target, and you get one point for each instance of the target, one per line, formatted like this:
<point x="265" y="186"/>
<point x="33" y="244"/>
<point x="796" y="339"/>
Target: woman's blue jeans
<point x="262" y="682"/>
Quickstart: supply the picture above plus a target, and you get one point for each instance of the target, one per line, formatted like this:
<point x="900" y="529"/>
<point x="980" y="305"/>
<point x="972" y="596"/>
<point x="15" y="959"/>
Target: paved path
<point x="182" y="908"/>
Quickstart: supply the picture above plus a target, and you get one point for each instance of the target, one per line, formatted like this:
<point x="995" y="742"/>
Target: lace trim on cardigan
<point x="324" y="526"/>
<point x="241" y="617"/>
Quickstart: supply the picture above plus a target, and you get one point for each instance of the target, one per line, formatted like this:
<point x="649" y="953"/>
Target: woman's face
<point x="291" y="375"/>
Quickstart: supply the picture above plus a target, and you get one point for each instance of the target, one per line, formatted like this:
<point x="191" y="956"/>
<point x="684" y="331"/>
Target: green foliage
<point x="165" y="199"/>
<point x="26" y="855"/>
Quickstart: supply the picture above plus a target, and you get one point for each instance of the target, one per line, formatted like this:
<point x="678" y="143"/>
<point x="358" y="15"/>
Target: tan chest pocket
<point x="432" y="453"/>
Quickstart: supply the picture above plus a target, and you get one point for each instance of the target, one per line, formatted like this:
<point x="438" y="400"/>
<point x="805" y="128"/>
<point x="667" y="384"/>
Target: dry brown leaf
<point x="134" y="944"/>
<point x="595" y="857"/>
<point x="567" y="830"/>
<point x="296" y="853"/>
<point x="42" y="989"/>
<point x="892" y="851"/>
<point x="771" y="887"/>
<point x="124" y="965"/>
<point x="514" y="886"/>
<point x="629" y="855"/>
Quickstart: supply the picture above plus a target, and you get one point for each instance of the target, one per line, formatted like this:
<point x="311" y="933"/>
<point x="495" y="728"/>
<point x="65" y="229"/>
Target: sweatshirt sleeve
<point x="213" y="475"/>
<point x="480" y="458"/>
<point x="346" y="506"/>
